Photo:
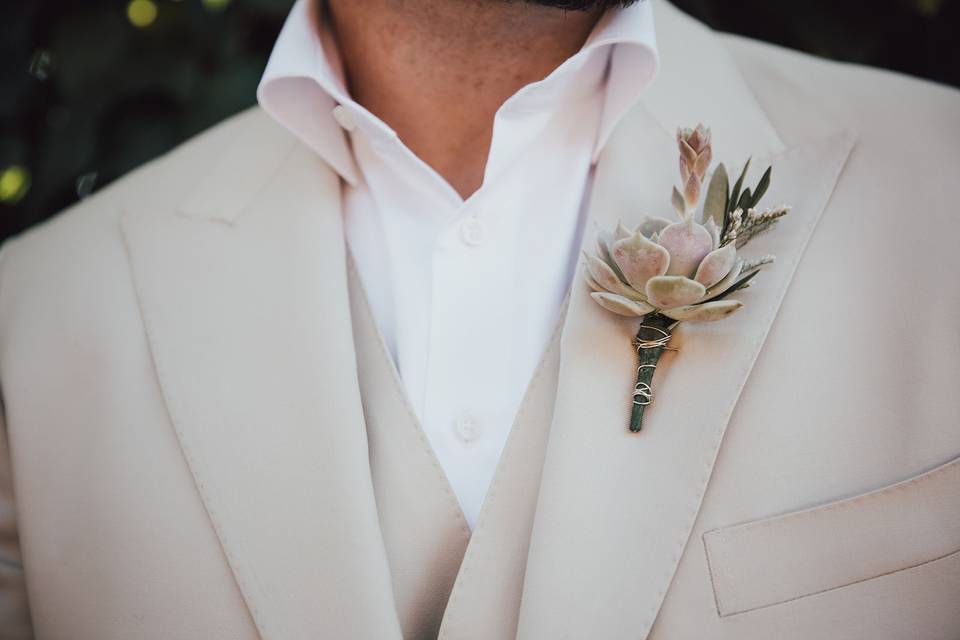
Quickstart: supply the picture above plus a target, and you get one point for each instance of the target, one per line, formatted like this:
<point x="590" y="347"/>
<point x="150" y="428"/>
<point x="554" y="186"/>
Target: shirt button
<point x="468" y="429"/>
<point x="472" y="231"/>
<point x="344" y="118"/>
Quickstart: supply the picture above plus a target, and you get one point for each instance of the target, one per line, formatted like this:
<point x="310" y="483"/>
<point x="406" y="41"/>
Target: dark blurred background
<point x="89" y="89"/>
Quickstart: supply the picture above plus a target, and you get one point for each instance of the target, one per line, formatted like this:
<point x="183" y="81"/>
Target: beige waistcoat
<point x="440" y="570"/>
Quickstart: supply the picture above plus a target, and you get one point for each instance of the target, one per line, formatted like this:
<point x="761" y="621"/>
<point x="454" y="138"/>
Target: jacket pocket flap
<point x="786" y="557"/>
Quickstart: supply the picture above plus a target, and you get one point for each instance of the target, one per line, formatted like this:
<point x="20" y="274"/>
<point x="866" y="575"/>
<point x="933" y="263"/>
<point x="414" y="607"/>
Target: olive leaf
<point x="715" y="204"/>
<point x="733" y="199"/>
<point x="761" y="188"/>
<point x="739" y="284"/>
<point x="735" y="194"/>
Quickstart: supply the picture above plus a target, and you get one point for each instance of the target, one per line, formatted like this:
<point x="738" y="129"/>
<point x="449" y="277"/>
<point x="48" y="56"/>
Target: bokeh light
<point x="929" y="8"/>
<point x="142" y="13"/>
<point x="14" y="184"/>
<point x="216" y="5"/>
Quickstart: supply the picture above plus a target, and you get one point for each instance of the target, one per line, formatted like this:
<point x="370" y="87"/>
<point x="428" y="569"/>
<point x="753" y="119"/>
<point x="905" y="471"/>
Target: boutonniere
<point x="671" y="272"/>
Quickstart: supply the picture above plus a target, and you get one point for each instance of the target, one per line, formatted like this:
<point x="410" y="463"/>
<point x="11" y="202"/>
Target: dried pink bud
<point x="695" y="155"/>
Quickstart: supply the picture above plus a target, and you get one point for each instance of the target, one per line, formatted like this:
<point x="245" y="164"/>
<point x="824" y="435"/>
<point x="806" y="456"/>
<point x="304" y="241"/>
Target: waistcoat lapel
<point x="485" y="602"/>
<point x="616" y="509"/>
<point x="447" y="582"/>
<point x="244" y="299"/>
<point x="424" y="529"/>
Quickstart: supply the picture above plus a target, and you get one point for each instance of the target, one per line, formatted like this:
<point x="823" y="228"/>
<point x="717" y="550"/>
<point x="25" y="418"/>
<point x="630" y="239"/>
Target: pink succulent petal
<point x="714" y="230"/>
<point x="716" y="265"/>
<point x="639" y="259"/>
<point x="593" y="284"/>
<point x="651" y="225"/>
<point x="604" y="276"/>
<point x="602" y="273"/>
<point x="621" y="305"/>
<point x="666" y="292"/>
<point x="620" y="233"/>
<point x="706" y="312"/>
<point x="728" y="280"/>
<point x="703" y="161"/>
<point x="688" y="243"/>
<point x="687" y="152"/>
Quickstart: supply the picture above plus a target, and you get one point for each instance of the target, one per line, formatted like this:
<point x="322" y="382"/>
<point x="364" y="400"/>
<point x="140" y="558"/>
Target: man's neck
<point x="436" y="71"/>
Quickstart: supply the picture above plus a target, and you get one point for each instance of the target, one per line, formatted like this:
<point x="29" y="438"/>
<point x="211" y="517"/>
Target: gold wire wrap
<point x="642" y="389"/>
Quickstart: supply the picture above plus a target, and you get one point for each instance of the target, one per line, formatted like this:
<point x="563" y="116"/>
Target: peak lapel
<point x="616" y="509"/>
<point x="248" y="321"/>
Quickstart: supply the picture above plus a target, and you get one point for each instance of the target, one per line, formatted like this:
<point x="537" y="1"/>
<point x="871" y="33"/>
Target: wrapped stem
<point x="651" y="341"/>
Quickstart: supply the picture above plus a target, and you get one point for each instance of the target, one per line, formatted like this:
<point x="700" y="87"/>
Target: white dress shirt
<point x="465" y="292"/>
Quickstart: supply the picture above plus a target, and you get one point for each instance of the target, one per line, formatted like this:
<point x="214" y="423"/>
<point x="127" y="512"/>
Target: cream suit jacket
<point x="206" y="439"/>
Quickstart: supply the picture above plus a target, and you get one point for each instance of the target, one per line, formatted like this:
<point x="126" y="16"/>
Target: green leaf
<point x="733" y="199"/>
<point x="736" y="285"/>
<point x="735" y="194"/>
<point x="745" y="199"/>
<point x="761" y="188"/>
<point x="715" y="204"/>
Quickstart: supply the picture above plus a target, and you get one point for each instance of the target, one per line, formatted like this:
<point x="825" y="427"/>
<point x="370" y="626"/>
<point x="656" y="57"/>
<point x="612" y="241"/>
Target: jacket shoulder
<point x="62" y="261"/>
<point x="896" y="183"/>
<point x="905" y="128"/>
<point x="873" y="102"/>
<point x="165" y="178"/>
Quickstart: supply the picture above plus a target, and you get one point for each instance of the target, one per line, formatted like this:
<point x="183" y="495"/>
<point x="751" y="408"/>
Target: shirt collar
<point x="304" y="79"/>
<point x="301" y="85"/>
<point x="634" y="62"/>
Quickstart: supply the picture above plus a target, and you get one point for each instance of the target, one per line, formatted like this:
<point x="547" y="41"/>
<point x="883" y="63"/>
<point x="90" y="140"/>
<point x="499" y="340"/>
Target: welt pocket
<point x="786" y="557"/>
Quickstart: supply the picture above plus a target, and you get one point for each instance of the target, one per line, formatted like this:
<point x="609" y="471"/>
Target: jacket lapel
<point x="244" y="297"/>
<point x="616" y="509"/>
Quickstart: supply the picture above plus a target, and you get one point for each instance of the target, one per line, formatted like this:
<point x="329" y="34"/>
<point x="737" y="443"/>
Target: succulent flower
<point x="682" y="270"/>
<point x="678" y="269"/>
<point x="667" y="272"/>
